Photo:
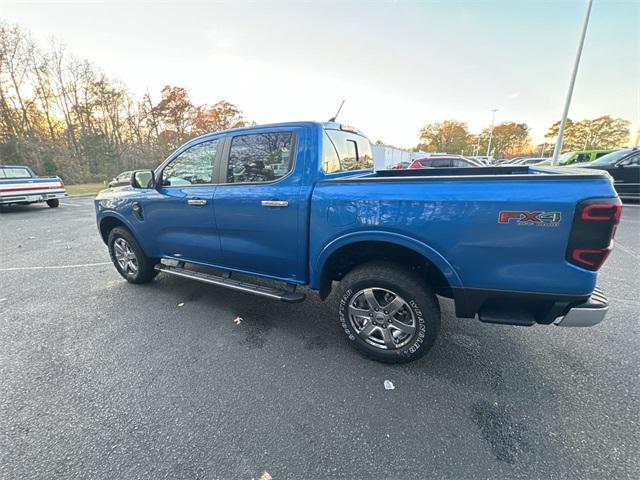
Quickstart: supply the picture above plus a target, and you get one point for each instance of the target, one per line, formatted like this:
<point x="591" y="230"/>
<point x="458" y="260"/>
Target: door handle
<point x="275" y="203"/>
<point x="196" y="201"/>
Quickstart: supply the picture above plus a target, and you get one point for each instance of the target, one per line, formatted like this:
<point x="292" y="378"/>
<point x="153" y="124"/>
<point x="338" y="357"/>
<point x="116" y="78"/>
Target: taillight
<point x="61" y="184"/>
<point x="594" y="226"/>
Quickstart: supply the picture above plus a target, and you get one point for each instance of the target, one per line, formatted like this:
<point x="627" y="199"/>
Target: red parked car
<point x="449" y="161"/>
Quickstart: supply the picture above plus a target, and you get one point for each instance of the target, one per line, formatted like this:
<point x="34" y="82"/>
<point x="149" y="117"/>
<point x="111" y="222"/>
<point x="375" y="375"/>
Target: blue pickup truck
<point x="299" y="203"/>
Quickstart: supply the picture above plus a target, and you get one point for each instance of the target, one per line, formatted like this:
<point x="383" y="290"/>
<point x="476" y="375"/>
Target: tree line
<point x="61" y="115"/>
<point x="511" y="139"/>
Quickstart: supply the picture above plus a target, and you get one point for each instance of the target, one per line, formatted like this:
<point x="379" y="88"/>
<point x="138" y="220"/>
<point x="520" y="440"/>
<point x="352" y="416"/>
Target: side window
<point x="16" y="172"/>
<point x="442" y="163"/>
<point x="330" y="159"/>
<point x="581" y="157"/>
<point x="344" y="152"/>
<point x="632" y="161"/>
<point x="260" y="157"/>
<point x="194" y="166"/>
<point x="461" y="163"/>
<point x="600" y="154"/>
<point x="2" y="174"/>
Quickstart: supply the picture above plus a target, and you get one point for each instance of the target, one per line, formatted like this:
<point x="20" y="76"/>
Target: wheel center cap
<point x="379" y="317"/>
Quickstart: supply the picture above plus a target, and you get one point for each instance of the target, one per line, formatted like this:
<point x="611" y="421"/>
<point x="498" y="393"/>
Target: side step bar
<point x="270" y="292"/>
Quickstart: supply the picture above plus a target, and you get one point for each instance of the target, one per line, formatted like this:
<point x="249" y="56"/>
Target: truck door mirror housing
<point x="143" y="179"/>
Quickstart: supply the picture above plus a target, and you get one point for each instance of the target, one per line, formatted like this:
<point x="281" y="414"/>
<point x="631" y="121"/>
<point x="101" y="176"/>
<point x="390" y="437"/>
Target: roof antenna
<point x="333" y="119"/>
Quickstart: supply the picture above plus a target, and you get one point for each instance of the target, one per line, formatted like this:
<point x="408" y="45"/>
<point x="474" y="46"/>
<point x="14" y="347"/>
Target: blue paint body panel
<point x="451" y="222"/>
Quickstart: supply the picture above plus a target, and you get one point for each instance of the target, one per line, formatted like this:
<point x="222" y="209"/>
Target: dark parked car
<point x="123" y="179"/>
<point x="624" y="166"/>
<point x="445" y="162"/>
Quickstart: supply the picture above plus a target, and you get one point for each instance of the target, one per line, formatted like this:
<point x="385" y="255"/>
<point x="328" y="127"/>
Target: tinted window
<point x="15" y="172"/>
<point x="461" y="163"/>
<point x="441" y="163"/>
<point x="349" y="152"/>
<point x="194" y="166"/>
<point x="262" y="157"/>
<point x="612" y="157"/>
<point x="581" y="157"/>
<point x="634" y="160"/>
<point x="600" y="154"/>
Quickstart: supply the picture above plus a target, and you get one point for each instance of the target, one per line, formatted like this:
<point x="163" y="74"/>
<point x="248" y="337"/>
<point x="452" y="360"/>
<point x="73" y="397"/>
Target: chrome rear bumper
<point x="586" y="314"/>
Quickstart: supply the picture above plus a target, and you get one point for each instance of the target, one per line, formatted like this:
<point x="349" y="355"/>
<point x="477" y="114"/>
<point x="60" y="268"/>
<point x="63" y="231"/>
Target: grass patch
<point x="85" y="188"/>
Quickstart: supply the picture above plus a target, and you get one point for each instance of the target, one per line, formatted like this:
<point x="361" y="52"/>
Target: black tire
<point x="145" y="271"/>
<point x="53" y="203"/>
<point x="389" y="282"/>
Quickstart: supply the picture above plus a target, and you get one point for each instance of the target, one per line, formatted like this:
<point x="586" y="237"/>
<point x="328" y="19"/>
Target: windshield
<point x="611" y="157"/>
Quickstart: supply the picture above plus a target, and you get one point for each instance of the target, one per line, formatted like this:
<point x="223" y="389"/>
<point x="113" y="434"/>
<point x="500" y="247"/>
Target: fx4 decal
<point x="541" y="219"/>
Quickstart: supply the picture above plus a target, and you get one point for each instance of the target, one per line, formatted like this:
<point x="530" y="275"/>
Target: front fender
<point x="389" y="237"/>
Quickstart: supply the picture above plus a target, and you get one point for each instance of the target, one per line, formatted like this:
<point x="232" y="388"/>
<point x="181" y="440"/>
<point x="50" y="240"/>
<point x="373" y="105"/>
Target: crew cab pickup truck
<point x="20" y="184"/>
<point x="299" y="203"/>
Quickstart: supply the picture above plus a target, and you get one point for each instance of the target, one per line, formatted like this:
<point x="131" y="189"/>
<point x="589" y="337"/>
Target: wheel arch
<point x="109" y="222"/>
<point x="346" y="252"/>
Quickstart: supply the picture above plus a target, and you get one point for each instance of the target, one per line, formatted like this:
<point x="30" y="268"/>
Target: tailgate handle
<point x="196" y="201"/>
<point x="275" y="203"/>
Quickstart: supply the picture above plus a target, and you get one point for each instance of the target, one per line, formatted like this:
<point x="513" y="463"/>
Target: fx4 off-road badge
<point x="540" y="219"/>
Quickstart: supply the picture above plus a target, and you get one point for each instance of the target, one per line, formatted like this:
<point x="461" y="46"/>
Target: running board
<point x="269" y="292"/>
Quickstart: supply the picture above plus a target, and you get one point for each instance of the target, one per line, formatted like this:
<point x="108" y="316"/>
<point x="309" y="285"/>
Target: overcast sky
<point x="399" y="65"/>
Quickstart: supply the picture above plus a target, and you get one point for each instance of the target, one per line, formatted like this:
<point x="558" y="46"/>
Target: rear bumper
<point x="529" y="308"/>
<point x="32" y="197"/>
<point x="586" y="314"/>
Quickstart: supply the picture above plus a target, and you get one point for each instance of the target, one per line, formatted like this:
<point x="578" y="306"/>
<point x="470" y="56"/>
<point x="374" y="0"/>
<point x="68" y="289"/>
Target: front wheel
<point x="388" y="312"/>
<point x="53" y="203"/>
<point x="128" y="257"/>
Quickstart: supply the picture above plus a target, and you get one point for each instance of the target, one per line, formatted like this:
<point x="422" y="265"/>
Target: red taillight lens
<point x="594" y="226"/>
<point x="592" y="258"/>
<point x="602" y="212"/>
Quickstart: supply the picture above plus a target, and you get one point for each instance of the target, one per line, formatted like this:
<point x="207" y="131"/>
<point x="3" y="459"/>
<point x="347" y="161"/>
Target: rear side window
<point x="261" y="157"/>
<point x="345" y="152"/>
<point x="14" y="172"/>
<point x="461" y="163"/>
<point x="443" y="163"/>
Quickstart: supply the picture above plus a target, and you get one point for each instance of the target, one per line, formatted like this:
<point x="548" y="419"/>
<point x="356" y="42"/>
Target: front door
<point x="260" y="203"/>
<point x="181" y="216"/>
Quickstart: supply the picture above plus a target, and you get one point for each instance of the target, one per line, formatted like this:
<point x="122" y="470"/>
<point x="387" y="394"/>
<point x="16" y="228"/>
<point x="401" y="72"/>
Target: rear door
<point x="258" y="203"/>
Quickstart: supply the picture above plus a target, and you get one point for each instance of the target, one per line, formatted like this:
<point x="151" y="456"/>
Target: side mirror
<point x="143" y="179"/>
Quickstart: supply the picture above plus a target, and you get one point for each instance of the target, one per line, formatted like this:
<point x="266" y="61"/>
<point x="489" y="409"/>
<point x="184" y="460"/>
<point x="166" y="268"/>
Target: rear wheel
<point x="128" y="257"/>
<point x="53" y="203"/>
<point x="388" y="312"/>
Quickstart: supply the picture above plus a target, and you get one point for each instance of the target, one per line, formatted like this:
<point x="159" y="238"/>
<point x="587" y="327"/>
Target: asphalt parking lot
<point x="102" y="379"/>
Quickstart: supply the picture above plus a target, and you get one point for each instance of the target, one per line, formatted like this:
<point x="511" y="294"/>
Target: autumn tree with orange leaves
<point x="61" y="115"/>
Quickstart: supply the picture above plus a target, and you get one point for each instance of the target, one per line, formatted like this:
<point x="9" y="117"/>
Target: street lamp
<point x="558" y="147"/>
<point x="493" y="120"/>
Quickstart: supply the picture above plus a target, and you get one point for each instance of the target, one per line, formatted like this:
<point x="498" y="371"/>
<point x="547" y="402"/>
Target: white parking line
<point x="54" y="267"/>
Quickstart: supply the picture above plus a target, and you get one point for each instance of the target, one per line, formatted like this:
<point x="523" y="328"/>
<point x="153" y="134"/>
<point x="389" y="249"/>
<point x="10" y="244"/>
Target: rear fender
<point x="383" y="236"/>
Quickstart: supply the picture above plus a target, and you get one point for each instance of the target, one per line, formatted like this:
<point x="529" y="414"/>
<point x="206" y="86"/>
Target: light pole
<point x="558" y="147"/>
<point x="493" y="120"/>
